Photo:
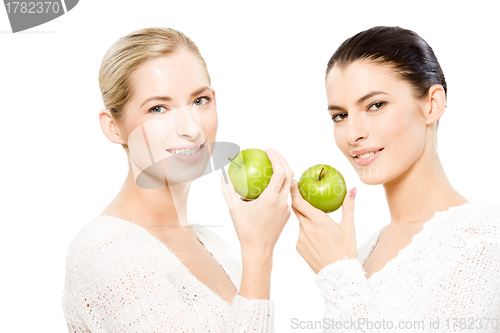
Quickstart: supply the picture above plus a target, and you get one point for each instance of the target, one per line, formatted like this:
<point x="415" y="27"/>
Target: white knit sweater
<point x="120" y="278"/>
<point x="449" y="272"/>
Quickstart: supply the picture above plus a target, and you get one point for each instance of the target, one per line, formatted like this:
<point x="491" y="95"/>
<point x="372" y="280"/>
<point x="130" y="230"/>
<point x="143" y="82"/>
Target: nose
<point x="189" y="123"/>
<point x="356" y="130"/>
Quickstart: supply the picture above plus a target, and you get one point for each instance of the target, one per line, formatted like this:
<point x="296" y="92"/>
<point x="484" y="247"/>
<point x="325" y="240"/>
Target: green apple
<point x="323" y="187"/>
<point x="250" y="172"/>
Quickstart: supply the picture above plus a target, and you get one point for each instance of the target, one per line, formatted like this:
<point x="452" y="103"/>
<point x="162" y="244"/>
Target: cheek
<point x="210" y="123"/>
<point x="140" y="142"/>
<point x="157" y="132"/>
<point x="339" y="134"/>
<point x="401" y="130"/>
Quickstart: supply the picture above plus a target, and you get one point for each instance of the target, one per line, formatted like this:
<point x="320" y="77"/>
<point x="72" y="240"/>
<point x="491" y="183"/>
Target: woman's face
<point x="172" y="108"/>
<point x="372" y="107"/>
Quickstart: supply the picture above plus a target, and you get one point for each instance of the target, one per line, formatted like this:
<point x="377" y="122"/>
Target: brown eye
<point x="336" y="119"/>
<point x="376" y="106"/>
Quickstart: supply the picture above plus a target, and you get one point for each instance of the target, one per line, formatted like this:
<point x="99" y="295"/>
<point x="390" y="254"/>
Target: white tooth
<point x="185" y="151"/>
<point x="365" y="155"/>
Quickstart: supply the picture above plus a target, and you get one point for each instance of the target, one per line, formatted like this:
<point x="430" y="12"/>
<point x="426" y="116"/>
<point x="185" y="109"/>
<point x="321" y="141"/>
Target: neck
<point x="420" y="191"/>
<point x="152" y="208"/>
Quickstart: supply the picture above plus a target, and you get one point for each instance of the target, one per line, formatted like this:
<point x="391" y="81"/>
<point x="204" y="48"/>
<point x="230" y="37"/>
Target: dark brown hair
<point x="406" y="52"/>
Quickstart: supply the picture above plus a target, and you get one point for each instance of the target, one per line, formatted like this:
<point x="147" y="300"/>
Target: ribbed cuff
<point x="252" y="315"/>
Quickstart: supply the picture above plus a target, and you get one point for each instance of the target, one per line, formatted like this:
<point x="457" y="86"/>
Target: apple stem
<point x="321" y="173"/>
<point x="229" y="158"/>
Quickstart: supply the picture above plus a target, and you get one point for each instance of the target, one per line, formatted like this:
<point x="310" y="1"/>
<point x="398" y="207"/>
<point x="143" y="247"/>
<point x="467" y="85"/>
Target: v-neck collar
<point x="205" y="242"/>
<point x="406" y="251"/>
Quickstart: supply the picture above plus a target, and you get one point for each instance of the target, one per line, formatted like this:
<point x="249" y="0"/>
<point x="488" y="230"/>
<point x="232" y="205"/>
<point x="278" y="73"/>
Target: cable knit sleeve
<point x="347" y="295"/>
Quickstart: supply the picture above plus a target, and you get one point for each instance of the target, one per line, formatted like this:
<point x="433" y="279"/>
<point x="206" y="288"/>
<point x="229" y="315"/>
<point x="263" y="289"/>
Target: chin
<point x="371" y="181"/>
<point x="370" y="175"/>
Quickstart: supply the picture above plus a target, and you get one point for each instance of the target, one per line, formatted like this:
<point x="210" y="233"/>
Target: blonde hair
<point x="127" y="54"/>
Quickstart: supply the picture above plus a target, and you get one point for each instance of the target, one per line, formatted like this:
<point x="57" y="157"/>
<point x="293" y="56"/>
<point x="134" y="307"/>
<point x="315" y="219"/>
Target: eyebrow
<point x="359" y="101"/>
<point x="167" y="98"/>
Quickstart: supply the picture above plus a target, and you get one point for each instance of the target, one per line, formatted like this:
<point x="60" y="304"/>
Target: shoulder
<point x="468" y="226"/>
<point x="470" y="223"/>
<point x="108" y="242"/>
<point x="108" y="249"/>
<point x="102" y="230"/>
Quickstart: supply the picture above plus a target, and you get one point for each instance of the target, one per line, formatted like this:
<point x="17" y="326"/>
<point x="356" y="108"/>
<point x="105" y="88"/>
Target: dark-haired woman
<point x="436" y="265"/>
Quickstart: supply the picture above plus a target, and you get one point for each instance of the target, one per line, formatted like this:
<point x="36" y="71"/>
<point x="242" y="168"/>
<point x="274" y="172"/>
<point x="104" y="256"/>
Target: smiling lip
<point x="193" y="158"/>
<point x="365" y="150"/>
<point x="369" y="159"/>
<point x="188" y="147"/>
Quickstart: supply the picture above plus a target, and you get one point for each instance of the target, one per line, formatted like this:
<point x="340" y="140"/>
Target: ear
<point x="109" y="127"/>
<point x="213" y="94"/>
<point x="436" y="103"/>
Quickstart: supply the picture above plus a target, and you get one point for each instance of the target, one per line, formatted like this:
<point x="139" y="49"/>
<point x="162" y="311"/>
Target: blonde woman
<point x="436" y="266"/>
<point x="138" y="266"/>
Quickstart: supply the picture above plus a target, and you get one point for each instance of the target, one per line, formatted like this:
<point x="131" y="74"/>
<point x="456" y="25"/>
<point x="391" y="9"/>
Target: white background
<point x="267" y="62"/>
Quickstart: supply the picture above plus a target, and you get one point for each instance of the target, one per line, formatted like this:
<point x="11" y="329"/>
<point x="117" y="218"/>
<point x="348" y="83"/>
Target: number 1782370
<point x="32" y="7"/>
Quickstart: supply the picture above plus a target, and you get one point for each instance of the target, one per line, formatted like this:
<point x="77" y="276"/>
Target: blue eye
<point x="157" y="109"/>
<point x="199" y="100"/>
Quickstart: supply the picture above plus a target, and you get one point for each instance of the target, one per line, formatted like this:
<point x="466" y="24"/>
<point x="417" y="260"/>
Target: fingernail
<point x="270" y="149"/>
<point x="353" y="192"/>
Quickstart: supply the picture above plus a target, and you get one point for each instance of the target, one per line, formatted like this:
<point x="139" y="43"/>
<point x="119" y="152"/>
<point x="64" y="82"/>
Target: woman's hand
<point x="259" y="222"/>
<point x="321" y="240"/>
